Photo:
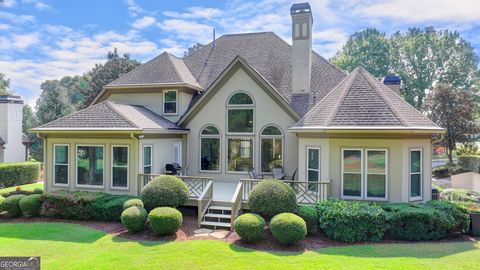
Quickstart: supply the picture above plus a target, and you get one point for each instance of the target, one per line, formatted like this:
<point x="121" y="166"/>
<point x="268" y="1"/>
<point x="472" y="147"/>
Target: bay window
<point x="210" y="149"/>
<point x="90" y="165"/>
<point x="60" y="164"/>
<point x="120" y="166"/>
<point x="271" y="148"/>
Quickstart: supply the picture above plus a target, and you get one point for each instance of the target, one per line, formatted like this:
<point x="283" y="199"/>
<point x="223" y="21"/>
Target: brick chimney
<point x="302" y="22"/>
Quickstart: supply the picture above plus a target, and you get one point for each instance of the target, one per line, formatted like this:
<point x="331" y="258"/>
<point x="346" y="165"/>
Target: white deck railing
<point x="195" y="184"/>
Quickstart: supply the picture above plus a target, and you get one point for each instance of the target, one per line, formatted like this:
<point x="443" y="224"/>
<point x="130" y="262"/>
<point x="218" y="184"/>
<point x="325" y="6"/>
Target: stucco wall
<point x="162" y="152"/>
<point x="11" y="115"/>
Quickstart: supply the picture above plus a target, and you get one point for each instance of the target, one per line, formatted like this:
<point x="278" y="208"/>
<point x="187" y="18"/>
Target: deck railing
<point x="195" y="184"/>
<point x="236" y="203"/>
<point x="204" y="201"/>
<point x="307" y="192"/>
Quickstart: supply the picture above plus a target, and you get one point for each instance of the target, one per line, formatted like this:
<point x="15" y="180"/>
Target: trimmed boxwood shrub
<point x="351" y="221"/>
<point x="165" y="190"/>
<point x="249" y="227"/>
<point x="108" y="207"/>
<point x="288" y="228"/>
<point x="132" y="202"/>
<point x="23" y="192"/>
<point x="18" y="173"/>
<point x="30" y="205"/>
<point x="165" y="220"/>
<point x="12" y="206"/>
<point x="134" y="218"/>
<point x="310" y="216"/>
<point x="272" y="197"/>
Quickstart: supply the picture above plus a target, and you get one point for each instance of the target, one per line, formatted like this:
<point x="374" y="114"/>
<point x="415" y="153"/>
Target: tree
<point x="53" y="102"/>
<point x="30" y="121"/>
<point x="77" y="88"/>
<point x="192" y="49"/>
<point x="369" y="48"/>
<point x="453" y="110"/>
<point x="4" y="85"/>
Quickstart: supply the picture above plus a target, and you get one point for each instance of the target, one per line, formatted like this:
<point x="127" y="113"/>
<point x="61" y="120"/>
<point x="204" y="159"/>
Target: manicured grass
<point x="24" y="187"/>
<point x="70" y="246"/>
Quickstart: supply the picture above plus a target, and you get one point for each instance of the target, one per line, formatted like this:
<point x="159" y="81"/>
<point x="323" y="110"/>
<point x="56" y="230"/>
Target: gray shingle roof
<point x="362" y="101"/>
<point x="111" y="115"/>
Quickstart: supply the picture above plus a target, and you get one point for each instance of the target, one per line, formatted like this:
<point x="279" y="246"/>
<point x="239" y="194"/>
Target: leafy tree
<point x="453" y="110"/>
<point x="369" y="48"/>
<point x="77" y="88"/>
<point x="4" y="85"/>
<point x="53" y="102"/>
<point x="192" y="49"/>
<point x="30" y="121"/>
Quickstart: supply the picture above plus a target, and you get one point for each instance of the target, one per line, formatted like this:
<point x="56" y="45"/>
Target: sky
<point x="48" y="39"/>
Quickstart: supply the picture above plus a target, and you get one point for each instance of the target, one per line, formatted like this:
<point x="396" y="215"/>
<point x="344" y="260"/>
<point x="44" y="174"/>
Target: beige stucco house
<point x="246" y="102"/>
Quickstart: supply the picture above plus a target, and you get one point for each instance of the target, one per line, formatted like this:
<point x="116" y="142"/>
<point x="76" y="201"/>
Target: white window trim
<point x="274" y="137"/>
<point x="128" y="167"/>
<point x="416" y="198"/>
<point x="76" y="167"/>
<point x="361" y="174"/>
<point x="151" y="158"/>
<point x="366" y="175"/>
<point x="176" y="102"/>
<point x="319" y="163"/>
<point x="241" y="107"/>
<point x="68" y="166"/>
<point x="180" y="156"/>
<point x="226" y="156"/>
<point x="210" y="136"/>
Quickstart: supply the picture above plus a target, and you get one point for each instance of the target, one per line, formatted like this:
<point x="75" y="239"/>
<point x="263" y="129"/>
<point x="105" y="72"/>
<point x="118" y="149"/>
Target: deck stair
<point x="217" y="217"/>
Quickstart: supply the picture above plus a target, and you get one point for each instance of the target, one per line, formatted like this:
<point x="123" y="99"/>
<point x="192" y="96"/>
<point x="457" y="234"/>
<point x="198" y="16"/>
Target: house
<point x="13" y="143"/>
<point x="246" y="101"/>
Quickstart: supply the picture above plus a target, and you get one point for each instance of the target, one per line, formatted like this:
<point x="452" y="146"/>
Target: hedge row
<point x="19" y="173"/>
<point x="469" y="163"/>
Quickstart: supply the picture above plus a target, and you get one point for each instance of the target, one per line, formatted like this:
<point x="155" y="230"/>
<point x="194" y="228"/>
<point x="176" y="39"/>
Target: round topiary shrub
<point x="30" y="205"/>
<point x="37" y="191"/>
<point x="249" y="227"/>
<point x="272" y="197"/>
<point x="134" y="218"/>
<point x="288" y="228"/>
<point x="165" y="220"/>
<point x="165" y="190"/>
<point x="310" y="216"/>
<point x="12" y="206"/>
<point x="132" y="202"/>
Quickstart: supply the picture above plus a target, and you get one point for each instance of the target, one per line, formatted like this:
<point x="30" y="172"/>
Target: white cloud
<point x="195" y="13"/>
<point x="134" y="8"/>
<point x="38" y="4"/>
<point x="18" y="42"/>
<point x="144" y="22"/>
<point x="16" y="18"/>
<point x="187" y="30"/>
<point x="7" y="3"/>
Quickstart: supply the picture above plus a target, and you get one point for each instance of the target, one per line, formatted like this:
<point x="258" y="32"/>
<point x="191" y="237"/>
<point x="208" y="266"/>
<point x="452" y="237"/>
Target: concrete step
<point x="215" y="225"/>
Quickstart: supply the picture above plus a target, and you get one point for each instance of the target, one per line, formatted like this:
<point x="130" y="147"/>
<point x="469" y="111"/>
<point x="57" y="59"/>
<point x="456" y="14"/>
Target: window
<point x="60" y="170"/>
<point x="177" y="153"/>
<point x="240" y="154"/>
<point x="240" y="113"/>
<point x="120" y="166"/>
<point x="416" y="174"/>
<point x="90" y="164"/>
<point x="210" y="149"/>
<point x="352" y="173"/>
<point x="376" y="174"/>
<point x="271" y="148"/>
<point x="147" y="159"/>
<point x="170" y="102"/>
<point x="313" y="164"/>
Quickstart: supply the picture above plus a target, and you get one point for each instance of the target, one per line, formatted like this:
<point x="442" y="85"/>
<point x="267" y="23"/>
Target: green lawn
<point x="24" y="187"/>
<point x="69" y="246"/>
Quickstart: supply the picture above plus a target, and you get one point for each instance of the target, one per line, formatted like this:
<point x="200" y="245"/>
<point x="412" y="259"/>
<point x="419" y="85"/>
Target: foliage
<point x="165" y="190"/>
<point x="165" y="220"/>
<point x="192" y="49"/>
<point x="469" y="162"/>
<point x="53" y="102"/>
<point x="351" y="221"/>
<point x="459" y="214"/>
<point x="4" y="85"/>
<point x="310" y="215"/>
<point x="108" y="207"/>
<point x="271" y="197"/>
<point x="1" y="201"/>
<point x="441" y="171"/>
<point x="18" y="173"/>
<point x="249" y="227"/>
<point x="461" y="195"/>
<point x="288" y="228"/>
<point x="30" y="121"/>
<point x="468" y="148"/>
<point x="29" y="189"/>
<point x="453" y="110"/>
<point x="12" y="206"/>
<point x="30" y="205"/>
<point x="134" y="218"/>
<point x="132" y="202"/>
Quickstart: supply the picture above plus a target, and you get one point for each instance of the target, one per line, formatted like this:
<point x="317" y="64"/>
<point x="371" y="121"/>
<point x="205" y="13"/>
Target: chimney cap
<point x="391" y="80"/>
<point x="300" y="8"/>
<point x="11" y="99"/>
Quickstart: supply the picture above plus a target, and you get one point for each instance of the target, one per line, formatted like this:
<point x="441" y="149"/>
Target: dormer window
<point x="170" y="103"/>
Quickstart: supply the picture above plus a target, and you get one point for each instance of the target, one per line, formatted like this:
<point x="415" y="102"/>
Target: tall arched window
<point x="210" y="149"/>
<point x="271" y="148"/>
<point x="240" y="114"/>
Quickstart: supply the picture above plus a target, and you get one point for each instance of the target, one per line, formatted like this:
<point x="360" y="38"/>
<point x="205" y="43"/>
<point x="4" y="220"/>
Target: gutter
<point x="388" y="130"/>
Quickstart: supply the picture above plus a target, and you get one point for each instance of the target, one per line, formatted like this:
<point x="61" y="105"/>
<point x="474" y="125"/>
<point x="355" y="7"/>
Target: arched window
<point x="271" y="148"/>
<point x="240" y="108"/>
<point x="210" y="149"/>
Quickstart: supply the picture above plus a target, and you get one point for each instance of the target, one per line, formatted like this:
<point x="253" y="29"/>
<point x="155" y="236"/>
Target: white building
<point x="13" y="143"/>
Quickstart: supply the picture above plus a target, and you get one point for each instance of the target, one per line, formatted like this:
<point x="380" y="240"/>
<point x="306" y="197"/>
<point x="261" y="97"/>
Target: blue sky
<point x="46" y="39"/>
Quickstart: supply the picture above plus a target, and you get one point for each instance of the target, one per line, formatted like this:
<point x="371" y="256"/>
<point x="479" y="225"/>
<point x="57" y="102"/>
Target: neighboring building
<point x="247" y="101"/>
<point x="13" y="143"/>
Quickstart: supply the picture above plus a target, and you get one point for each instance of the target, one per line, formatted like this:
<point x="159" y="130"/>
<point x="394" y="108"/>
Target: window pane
<point x="120" y="156"/>
<point x="240" y="120"/>
<point x="271" y="154"/>
<point x="352" y="161"/>
<point x="119" y="176"/>
<point x="171" y="96"/>
<point x="240" y="154"/>
<point x="210" y="130"/>
<point x="61" y="154"/>
<point x="415" y="185"/>
<point x="376" y="162"/>
<point x="376" y="186"/>
<point x="147" y="169"/>
<point x="312" y="175"/>
<point x="147" y="155"/>
<point x="271" y="130"/>
<point x="240" y="99"/>
<point x="61" y="174"/>
<point x="352" y="185"/>
<point x="90" y="165"/>
<point x="313" y="158"/>
<point x="170" y="107"/>
<point x="415" y="161"/>
<point x="210" y="152"/>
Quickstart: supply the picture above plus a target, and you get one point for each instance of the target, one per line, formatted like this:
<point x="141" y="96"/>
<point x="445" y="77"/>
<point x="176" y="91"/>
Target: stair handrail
<point x="236" y="203"/>
<point x="204" y="200"/>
